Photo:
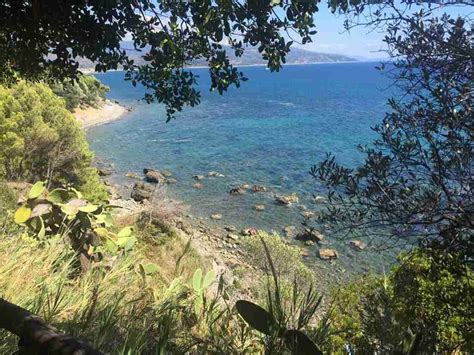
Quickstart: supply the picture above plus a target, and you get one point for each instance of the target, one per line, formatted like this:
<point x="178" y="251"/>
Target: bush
<point x="40" y="139"/>
<point x="426" y="299"/>
<point x="86" y="91"/>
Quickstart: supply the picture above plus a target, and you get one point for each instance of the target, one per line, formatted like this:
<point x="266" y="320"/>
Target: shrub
<point x="86" y="91"/>
<point x="425" y="301"/>
<point x="286" y="257"/>
<point x="40" y="139"/>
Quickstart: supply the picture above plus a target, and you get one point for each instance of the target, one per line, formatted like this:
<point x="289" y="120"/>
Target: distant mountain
<point x="250" y="57"/>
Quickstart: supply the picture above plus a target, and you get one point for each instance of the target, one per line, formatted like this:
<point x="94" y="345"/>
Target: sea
<point x="269" y="132"/>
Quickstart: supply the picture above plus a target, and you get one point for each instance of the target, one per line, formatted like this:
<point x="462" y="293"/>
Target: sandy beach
<point x="108" y="111"/>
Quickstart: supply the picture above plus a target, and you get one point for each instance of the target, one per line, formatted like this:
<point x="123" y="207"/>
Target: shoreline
<point x="93" y="72"/>
<point x="107" y="111"/>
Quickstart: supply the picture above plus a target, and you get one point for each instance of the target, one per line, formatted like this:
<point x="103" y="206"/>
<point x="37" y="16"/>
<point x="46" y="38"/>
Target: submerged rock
<point x="198" y="185"/>
<point x="153" y="176"/>
<point x="133" y="175"/>
<point x="104" y="172"/>
<point x="289" y="231"/>
<point x="310" y="234"/>
<point x="328" y="254"/>
<point x="308" y="214"/>
<point x="216" y="216"/>
<point x="357" y="244"/>
<point x="215" y="174"/>
<point x="259" y="207"/>
<point x="287" y="199"/>
<point x="141" y="191"/>
<point x="170" y="181"/>
<point x="166" y="173"/>
<point x="304" y="253"/>
<point x="259" y="188"/>
<point x="320" y="199"/>
<point x="237" y="190"/>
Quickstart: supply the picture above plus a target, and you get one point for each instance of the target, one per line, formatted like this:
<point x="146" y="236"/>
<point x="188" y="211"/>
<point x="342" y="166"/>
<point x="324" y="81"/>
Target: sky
<point x="359" y="42"/>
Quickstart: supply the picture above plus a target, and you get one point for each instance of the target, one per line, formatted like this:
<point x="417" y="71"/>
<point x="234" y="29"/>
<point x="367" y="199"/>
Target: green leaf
<point x="126" y="243"/>
<point x="125" y="232"/>
<point x="36" y="190"/>
<point x="22" y="214"/>
<point x="208" y="279"/>
<point x="197" y="279"/>
<point x="150" y="268"/>
<point x="88" y="208"/>
<point x="58" y="196"/>
<point x="111" y="246"/>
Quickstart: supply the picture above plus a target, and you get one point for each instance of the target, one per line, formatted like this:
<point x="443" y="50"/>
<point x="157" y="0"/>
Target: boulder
<point x="237" y="191"/>
<point x="304" y="253"/>
<point x="166" y="173"/>
<point x="310" y="234"/>
<point x="230" y="228"/>
<point x="216" y="216"/>
<point x="319" y="199"/>
<point x="153" y="176"/>
<point x="287" y="199"/>
<point x="104" y="172"/>
<point x="198" y="177"/>
<point x="249" y="231"/>
<point x="289" y="231"/>
<point x="328" y="254"/>
<point x="215" y="174"/>
<point x="308" y="214"/>
<point x="309" y="243"/>
<point x="170" y="181"/>
<point x="259" y="188"/>
<point x="233" y="236"/>
<point x="198" y="185"/>
<point x="259" y="207"/>
<point x="357" y="244"/>
<point x="141" y="191"/>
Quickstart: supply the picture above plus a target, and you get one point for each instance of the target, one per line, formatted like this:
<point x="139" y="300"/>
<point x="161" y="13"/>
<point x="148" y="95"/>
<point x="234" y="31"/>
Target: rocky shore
<point x="221" y="243"/>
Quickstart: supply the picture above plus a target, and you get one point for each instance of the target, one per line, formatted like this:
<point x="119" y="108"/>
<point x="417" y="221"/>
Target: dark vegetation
<point x="134" y="285"/>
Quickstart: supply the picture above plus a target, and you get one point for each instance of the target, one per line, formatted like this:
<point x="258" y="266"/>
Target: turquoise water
<point x="270" y="132"/>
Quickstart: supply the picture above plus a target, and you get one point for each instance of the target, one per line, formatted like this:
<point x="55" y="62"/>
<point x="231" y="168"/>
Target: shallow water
<point x="269" y="132"/>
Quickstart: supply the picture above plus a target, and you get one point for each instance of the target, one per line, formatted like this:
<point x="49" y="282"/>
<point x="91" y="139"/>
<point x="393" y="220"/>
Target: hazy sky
<point x="332" y="38"/>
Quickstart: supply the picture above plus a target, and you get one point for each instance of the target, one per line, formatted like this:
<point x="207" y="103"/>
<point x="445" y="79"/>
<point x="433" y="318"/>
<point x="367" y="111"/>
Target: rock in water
<point x="319" y="199"/>
<point x="104" y="171"/>
<point x="216" y="216"/>
<point x="215" y="174"/>
<point x="133" y="175"/>
<point x="327" y="254"/>
<point x="259" y="188"/>
<point x="289" y="231"/>
<point x="287" y="200"/>
<point x="198" y="177"/>
<point x="237" y="191"/>
<point x="141" y="191"/>
<point x="198" y="185"/>
<point x="166" y="173"/>
<point x="357" y="244"/>
<point x="152" y="176"/>
<point x="259" y="208"/>
<point x="310" y="234"/>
